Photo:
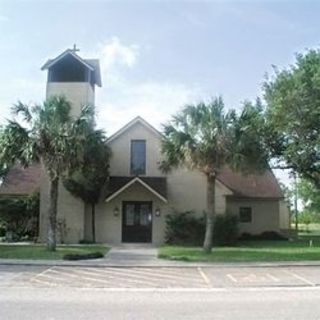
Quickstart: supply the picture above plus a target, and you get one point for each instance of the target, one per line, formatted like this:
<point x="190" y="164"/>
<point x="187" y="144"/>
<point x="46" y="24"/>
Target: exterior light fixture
<point x="157" y="212"/>
<point x="116" y="211"/>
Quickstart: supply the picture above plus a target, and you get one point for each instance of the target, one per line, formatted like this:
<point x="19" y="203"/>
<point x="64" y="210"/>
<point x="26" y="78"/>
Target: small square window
<point x="245" y="214"/>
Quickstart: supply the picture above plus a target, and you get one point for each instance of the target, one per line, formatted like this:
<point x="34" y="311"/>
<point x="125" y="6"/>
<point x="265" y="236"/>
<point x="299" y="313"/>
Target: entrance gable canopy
<point x="156" y="185"/>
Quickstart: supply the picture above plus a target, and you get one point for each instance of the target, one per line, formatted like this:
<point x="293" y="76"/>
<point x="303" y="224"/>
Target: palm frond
<point x="16" y="144"/>
<point x="205" y="137"/>
<point x="23" y="110"/>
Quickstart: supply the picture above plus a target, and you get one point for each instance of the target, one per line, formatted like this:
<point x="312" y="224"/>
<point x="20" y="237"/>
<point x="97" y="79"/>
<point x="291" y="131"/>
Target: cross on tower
<point x="75" y="49"/>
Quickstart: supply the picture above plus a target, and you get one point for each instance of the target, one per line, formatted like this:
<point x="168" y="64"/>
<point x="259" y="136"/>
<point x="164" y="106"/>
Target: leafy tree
<point x="310" y="196"/>
<point x="307" y="217"/>
<point x="204" y="137"/>
<point x="47" y="134"/>
<point x="292" y="96"/>
<point x="88" y="181"/>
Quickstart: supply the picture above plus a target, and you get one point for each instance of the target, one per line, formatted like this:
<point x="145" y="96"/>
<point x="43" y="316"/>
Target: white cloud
<point x="121" y="99"/>
<point x="115" y="54"/>
<point x="154" y="101"/>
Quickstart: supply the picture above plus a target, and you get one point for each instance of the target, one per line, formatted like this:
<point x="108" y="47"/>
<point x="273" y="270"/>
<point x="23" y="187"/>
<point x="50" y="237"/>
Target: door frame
<point x="124" y="203"/>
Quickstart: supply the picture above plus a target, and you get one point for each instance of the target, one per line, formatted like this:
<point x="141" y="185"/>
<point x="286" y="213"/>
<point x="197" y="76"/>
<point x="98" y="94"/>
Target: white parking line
<point x="204" y="277"/>
<point x="275" y="279"/>
<point x="300" y="278"/>
<point x="46" y="283"/>
<point x="156" y="275"/>
<point x="42" y="273"/>
<point x="231" y="277"/>
<point x="128" y="277"/>
<point x="111" y="276"/>
<point x="46" y="274"/>
<point x="136" y="274"/>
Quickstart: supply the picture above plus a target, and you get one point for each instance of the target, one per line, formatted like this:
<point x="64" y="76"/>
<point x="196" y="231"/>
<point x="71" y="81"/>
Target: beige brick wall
<point x="78" y="93"/>
<point x="70" y="216"/>
<point x="265" y="214"/>
<point x="120" y="160"/>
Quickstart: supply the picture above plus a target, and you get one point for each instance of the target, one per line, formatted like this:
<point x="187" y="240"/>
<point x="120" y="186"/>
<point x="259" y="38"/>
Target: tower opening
<point x="69" y="69"/>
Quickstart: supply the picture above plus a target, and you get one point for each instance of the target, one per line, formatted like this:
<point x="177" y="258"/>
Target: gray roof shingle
<point x="263" y="185"/>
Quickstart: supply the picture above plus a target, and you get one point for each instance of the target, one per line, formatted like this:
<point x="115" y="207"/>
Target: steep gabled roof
<point x="263" y="185"/>
<point x="92" y="64"/>
<point x="131" y="124"/>
<point x="21" y="181"/>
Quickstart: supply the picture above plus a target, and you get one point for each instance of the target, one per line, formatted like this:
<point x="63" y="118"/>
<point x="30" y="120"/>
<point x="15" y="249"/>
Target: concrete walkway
<point x="134" y="254"/>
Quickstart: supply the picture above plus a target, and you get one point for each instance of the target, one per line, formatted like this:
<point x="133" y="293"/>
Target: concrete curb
<point x="102" y="263"/>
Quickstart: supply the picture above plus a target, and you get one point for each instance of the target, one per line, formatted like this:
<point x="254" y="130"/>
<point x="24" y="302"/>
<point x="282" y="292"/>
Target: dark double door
<point x="137" y="221"/>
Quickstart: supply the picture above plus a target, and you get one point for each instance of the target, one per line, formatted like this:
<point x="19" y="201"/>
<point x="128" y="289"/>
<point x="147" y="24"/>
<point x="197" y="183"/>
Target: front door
<point x="137" y="221"/>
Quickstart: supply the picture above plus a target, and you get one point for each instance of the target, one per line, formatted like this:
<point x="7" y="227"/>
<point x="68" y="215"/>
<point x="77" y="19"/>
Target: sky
<point x="155" y="56"/>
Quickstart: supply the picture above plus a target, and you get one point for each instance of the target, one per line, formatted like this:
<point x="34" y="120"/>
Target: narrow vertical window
<point x="138" y="157"/>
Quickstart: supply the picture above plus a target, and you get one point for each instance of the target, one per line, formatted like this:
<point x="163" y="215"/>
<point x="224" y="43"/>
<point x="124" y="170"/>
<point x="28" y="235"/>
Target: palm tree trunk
<point x="52" y="218"/>
<point x="211" y="182"/>
<point x="93" y="222"/>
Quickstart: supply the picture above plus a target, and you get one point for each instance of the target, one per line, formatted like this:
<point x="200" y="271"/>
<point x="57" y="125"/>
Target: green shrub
<point x="266" y="235"/>
<point x="19" y="216"/>
<point x="83" y="256"/>
<point x="184" y="228"/>
<point x="225" y="230"/>
<point x="85" y="241"/>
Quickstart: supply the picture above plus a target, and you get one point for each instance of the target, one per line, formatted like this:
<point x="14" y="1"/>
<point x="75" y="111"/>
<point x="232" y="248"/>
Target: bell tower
<point x="73" y="77"/>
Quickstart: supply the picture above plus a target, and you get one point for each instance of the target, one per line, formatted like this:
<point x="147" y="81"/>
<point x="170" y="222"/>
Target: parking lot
<point x="158" y="277"/>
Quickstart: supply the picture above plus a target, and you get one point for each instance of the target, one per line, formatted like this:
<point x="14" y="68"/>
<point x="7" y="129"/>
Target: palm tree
<point x="47" y="134"/>
<point x="3" y="166"/>
<point x="205" y="138"/>
<point x="88" y="181"/>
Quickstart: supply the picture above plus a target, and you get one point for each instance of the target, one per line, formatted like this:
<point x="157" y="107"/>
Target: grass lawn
<point x="247" y="251"/>
<point x="40" y="251"/>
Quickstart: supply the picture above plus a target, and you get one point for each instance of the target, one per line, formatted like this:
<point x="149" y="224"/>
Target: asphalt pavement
<point x="227" y="304"/>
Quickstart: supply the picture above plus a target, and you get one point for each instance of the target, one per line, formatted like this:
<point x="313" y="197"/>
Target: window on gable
<point x="138" y="157"/>
<point x="245" y="214"/>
